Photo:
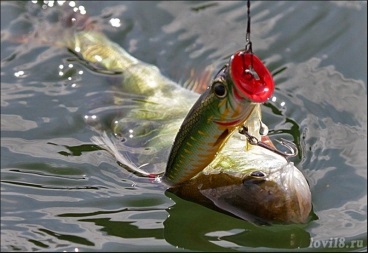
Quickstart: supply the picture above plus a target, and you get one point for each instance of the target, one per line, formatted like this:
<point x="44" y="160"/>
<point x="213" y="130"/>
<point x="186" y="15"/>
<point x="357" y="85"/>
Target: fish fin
<point x="198" y="82"/>
<point x="106" y="143"/>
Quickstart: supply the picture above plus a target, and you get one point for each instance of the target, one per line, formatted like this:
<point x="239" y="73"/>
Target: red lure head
<point x="257" y="87"/>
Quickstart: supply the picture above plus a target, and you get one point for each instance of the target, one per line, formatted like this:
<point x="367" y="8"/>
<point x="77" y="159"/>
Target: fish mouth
<point x="243" y="117"/>
<point x="228" y="123"/>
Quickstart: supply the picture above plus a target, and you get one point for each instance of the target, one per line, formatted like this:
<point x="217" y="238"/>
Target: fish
<point x="209" y="161"/>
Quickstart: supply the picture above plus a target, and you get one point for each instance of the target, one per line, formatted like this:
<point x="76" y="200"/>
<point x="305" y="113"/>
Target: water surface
<point x="61" y="193"/>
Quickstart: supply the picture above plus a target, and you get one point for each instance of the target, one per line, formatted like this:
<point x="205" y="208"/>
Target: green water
<point x="60" y="193"/>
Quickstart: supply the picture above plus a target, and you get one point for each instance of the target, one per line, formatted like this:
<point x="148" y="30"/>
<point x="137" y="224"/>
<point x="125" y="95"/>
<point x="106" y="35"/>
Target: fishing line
<point x="248" y="43"/>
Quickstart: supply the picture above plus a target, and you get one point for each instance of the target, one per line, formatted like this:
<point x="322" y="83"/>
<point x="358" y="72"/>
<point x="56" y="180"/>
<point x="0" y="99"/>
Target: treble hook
<point x="289" y="145"/>
<point x="286" y="143"/>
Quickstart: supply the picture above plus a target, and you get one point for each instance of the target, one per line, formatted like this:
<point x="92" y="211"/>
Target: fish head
<point x="257" y="185"/>
<point x="273" y="195"/>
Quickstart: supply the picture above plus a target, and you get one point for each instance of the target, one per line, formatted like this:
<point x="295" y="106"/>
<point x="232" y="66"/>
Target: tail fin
<point x="52" y="23"/>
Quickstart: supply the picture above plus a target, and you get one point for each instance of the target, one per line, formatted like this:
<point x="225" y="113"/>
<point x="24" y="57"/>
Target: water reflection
<point x="59" y="193"/>
<point x="223" y="231"/>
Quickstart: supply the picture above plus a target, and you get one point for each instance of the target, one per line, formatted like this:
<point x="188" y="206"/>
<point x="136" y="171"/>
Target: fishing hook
<point x="286" y="143"/>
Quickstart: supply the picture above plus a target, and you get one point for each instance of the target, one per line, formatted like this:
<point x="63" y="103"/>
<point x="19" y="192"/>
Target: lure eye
<point x="219" y="89"/>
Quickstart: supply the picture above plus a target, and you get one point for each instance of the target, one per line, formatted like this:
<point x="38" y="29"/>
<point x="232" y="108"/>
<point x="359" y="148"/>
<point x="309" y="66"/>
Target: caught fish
<point x="208" y="160"/>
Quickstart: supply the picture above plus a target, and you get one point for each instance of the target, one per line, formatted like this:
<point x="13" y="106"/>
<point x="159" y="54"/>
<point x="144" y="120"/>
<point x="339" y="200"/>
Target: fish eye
<point x="257" y="174"/>
<point x="219" y="89"/>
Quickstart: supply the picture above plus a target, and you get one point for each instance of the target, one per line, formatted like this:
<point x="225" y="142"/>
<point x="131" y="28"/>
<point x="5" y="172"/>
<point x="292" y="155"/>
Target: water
<point x="60" y="193"/>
